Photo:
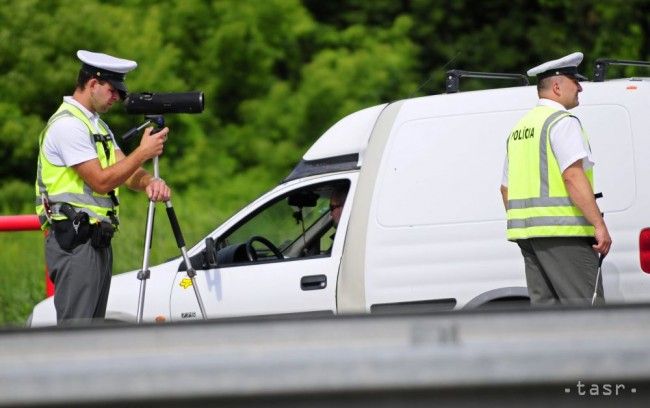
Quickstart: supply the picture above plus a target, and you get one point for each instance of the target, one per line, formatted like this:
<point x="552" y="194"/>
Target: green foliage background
<point x="275" y="73"/>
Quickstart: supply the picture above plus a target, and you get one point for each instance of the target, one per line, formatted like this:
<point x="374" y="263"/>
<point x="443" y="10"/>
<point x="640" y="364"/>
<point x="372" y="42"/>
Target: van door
<point x="280" y="258"/>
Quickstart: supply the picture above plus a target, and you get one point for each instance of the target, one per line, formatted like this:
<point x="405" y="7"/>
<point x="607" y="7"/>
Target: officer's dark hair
<point x="544" y="84"/>
<point x="83" y="78"/>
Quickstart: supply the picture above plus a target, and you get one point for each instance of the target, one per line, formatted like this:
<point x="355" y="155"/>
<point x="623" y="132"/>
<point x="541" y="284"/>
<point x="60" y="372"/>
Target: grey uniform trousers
<point x="561" y="270"/>
<point x="81" y="277"/>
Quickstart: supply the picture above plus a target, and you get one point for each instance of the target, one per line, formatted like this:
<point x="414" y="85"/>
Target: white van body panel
<point x="348" y="136"/>
<point x="43" y="314"/>
<point x="437" y="223"/>
<point x="615" y="113"/>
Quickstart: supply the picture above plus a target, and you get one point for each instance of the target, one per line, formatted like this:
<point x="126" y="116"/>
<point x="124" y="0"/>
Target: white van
<point x="423" y="226"/>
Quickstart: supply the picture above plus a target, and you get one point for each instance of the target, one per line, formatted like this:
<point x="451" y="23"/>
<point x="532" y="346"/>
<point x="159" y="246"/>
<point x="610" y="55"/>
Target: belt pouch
<point x="102" y="233"/>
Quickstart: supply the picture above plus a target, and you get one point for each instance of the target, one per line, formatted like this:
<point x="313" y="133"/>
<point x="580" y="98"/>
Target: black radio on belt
<point x="102" y="234"/>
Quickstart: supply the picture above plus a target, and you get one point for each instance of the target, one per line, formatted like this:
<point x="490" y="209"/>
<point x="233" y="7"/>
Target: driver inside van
<point x="337" y="200"/>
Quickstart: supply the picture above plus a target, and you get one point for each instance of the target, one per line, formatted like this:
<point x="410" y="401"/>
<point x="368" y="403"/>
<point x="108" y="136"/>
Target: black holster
<point x="72" y="232"/>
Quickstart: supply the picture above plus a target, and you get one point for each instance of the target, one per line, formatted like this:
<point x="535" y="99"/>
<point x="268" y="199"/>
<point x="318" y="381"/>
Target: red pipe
<point x="26" y="223"/>
<point x="19" y="223"/>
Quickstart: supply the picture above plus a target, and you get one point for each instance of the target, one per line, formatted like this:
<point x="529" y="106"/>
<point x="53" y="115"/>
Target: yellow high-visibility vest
<point x="538" y="201"/>
<point x="61" y="184"/>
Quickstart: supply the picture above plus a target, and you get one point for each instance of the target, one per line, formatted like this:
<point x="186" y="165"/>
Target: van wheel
<point x="114" y="322"/>
<point x="509" y="303"/>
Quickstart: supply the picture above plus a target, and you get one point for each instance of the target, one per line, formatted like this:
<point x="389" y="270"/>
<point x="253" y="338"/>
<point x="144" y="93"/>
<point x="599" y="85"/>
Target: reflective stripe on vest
<point x="61" y="184"/>
<point x="538" y="202"/>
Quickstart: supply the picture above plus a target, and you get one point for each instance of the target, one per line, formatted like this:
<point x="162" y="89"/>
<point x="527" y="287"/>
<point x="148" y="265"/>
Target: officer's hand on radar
<point x="157" y="190"/>
<point x="152" y="145"/>
<point x="603" y="240"/>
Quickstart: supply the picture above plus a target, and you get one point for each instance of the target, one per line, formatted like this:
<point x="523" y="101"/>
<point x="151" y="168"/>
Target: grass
<point x="22" y="275"/>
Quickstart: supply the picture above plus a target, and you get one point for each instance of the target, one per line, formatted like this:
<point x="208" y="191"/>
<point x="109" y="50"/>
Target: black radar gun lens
<point x="148" y="103"/>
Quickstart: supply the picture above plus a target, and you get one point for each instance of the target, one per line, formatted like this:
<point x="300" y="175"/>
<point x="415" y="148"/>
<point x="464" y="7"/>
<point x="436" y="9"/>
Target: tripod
<point x="144" y="273"/>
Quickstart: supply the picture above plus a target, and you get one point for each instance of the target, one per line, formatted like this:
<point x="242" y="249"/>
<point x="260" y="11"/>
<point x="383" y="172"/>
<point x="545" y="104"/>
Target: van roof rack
<point x="454" y="76"/>
<point x="601" y="65"/>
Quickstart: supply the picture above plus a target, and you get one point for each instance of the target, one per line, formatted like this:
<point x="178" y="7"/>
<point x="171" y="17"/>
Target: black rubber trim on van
<point x="329" y="165"/>
<point x="420" y="306"/>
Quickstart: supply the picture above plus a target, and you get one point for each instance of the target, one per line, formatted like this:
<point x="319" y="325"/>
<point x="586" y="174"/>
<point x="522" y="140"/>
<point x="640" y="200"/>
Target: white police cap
<point x="107" y="68"/>
<point x="567" y="65"/>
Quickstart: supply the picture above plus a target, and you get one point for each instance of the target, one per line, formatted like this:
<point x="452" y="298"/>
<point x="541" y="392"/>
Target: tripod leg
<point x="180" y="242"/>
<point x="143" y="274"/>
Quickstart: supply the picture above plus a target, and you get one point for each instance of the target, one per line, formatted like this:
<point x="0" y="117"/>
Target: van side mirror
<point x="206" y="259"/>
<point x="303" y="199"/>
<point x="210" y="253"/>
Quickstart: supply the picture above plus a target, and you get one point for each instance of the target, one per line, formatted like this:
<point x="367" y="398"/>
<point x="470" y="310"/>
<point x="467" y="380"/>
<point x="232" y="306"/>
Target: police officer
<point x="79" y="170"/>
<point x="547" y="190"/>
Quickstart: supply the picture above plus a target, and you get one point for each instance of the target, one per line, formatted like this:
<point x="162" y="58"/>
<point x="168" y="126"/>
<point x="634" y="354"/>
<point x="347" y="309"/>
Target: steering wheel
<point x="252" y="254"/>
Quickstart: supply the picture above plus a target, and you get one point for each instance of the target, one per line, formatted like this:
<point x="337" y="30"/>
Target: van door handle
<point x="313" y="282"/>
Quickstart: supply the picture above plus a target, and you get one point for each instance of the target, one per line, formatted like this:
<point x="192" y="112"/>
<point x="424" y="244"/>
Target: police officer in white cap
<point x="547" y="190"/>
<point x="80" y="168"/>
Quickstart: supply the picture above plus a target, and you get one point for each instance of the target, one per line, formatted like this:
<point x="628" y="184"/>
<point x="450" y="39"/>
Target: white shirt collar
<point x="550" y="103"/>
<point x="94" y="117"/>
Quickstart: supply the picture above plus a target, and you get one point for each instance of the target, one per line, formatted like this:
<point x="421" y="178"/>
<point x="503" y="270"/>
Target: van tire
<point x="506" y="303"/>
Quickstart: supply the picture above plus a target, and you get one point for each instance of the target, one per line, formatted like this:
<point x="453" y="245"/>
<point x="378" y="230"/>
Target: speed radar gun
<point x="153" y="106"/>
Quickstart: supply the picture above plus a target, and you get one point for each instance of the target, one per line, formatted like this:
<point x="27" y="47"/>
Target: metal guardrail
<point x="561" y="357"/>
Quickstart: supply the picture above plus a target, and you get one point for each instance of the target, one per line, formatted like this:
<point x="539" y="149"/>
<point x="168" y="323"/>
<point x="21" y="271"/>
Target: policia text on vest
<point x="521" y="134"/>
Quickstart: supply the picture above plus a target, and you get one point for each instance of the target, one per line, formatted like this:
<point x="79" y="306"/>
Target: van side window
<point x="298" y="224"/>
